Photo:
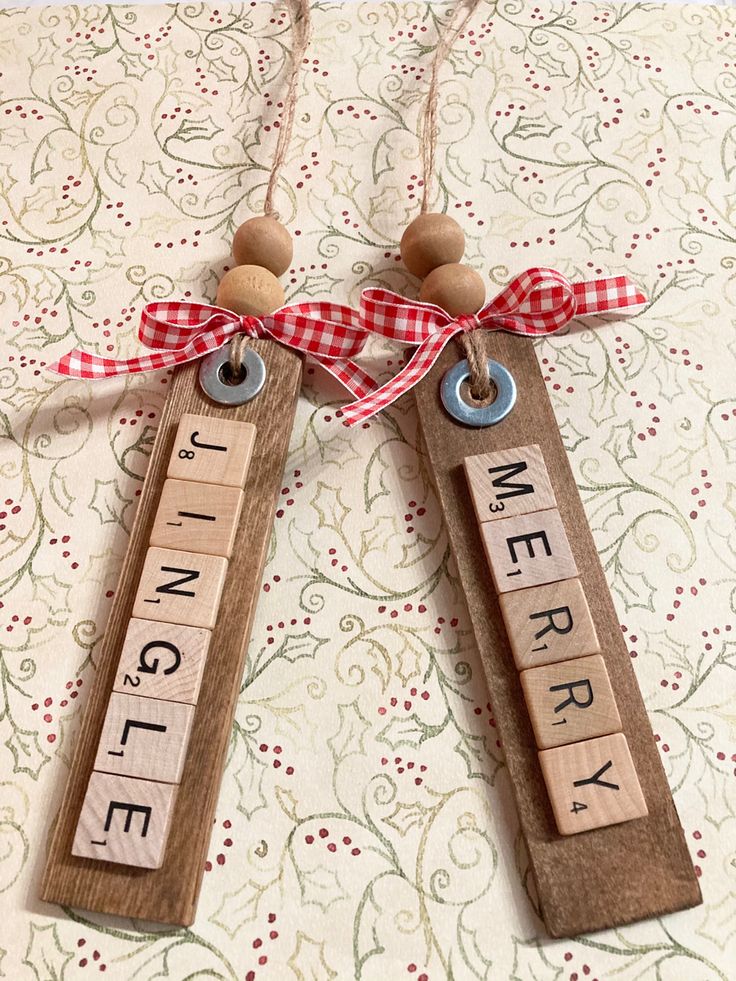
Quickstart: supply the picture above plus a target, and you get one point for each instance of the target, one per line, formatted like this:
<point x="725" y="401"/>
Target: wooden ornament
<point x="456" y="288"/>
<point x="431" y="240"/>
<point x="251" y="291"/>
<point x="263" y="241"/>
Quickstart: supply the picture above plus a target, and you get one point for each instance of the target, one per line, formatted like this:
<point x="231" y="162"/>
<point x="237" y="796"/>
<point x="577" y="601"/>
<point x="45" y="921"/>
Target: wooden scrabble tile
<point x="570" y="701"/>
<point x="212" y="451"/>
<point x="162" y="660"/>
<point x="124" y="820"/>
<point x="527" y="550"/>
<point x="197" y="517"/>
<point x="509" y="482"/>
<point x="548" y="623"/>
<point x="144" y="737"/>
<point x="180" y="587"/>
<point x="592" y="784"/>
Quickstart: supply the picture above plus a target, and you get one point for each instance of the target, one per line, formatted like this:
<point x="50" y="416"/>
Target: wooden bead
<point x="251" y="291"/>
<point x="456" y="288"/>
<point x="263" y="242"/>
<point x="430" y="241"/>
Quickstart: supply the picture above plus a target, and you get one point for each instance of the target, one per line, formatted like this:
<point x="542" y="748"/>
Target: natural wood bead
<point x="431" y="240"/>
<point x="251" y="291"/>
<point x="454" y="287"/>
<point x="263" y="242"/>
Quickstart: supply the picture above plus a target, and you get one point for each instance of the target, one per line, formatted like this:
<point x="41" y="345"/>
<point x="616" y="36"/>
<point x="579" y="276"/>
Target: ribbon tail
<point x="350" y="375"/>
<point x="82" y="364"/>
<point x="421" y="362"/>
<point x="602" y="295"/>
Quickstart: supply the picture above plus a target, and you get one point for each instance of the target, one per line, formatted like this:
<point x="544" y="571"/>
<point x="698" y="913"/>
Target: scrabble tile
<point x="144" y="737"/>
<point x="180" y="587"/>
<point x="527" y="550"/>
<point x="197" y="517"/>
<point x="124" y="820"/>
<point x="212" y="451"/>
<point x="509" y="482"/>
<point x="548" y="623"/>
<point x="570" y="701"/>
<point x="162" y="660"/>
<point x="592" y="784"/>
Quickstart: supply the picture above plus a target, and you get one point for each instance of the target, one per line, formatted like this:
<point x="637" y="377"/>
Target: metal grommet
<point x="478" y="415"/>
<point x="212" y="376"/>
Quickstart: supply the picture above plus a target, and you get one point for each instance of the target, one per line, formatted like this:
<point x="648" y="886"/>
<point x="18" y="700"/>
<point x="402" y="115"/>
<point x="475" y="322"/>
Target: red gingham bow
<point x="538" y="301"/>
<point x="180" y="331"/>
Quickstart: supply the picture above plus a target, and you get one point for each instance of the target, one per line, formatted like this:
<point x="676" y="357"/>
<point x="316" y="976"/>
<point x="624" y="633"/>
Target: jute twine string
<point x="473" y="342"/>
<point x="301" y="29"/>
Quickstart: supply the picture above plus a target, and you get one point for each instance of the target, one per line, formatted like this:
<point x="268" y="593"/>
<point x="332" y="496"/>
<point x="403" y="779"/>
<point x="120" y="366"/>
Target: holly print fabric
<point x="366" y="826"/>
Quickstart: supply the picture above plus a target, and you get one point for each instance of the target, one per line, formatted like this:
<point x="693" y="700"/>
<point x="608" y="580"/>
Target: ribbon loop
<point x="538" y="301"/>
<point x="181" y="331"/>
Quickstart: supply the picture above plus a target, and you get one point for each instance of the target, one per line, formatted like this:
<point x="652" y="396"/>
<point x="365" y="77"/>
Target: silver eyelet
<point x="212" y="377"/>
<point x="478" y="415"/>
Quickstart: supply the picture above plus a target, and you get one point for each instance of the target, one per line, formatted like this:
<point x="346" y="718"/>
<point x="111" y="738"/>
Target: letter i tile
<point x="592" y="784"/>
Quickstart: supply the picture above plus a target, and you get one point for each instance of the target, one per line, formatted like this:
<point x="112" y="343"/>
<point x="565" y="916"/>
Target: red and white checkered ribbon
<point x="538" y="301"/>
<point x="182" y="331"/>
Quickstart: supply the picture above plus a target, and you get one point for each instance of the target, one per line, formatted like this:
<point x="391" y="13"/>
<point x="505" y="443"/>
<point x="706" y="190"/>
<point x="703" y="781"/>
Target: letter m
<point x="505" y="475"/>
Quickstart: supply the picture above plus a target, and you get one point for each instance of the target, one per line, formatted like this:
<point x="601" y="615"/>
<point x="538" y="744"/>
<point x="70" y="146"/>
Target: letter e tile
<point x="509" y="482"/>
<point x="592" y="784"/>
<point x="528" y="550"/>
<point x="124" y="820"/>
<point x="570" y="701"/>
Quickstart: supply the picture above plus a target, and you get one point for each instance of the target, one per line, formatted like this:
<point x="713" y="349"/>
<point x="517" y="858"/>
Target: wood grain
<point x="593" y="785"/>
<point x="657" y="876"/>
<point x="169" y="894"/>
<point x="570" y="701"/>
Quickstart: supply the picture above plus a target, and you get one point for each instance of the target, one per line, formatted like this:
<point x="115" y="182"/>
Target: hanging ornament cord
<point x="301" y="32"/>
<point x="473" y="342"/>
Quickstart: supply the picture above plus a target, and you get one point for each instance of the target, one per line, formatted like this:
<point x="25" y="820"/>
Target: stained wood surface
<point x="169" y="894"/>
<point x="610" y="876"/>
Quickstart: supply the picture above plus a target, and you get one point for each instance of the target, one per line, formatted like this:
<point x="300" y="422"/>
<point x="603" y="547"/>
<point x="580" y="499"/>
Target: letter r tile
<point x="124" y="820"/>
<point x="592" y="784"/>
<point x="509" y="482"/>
<point x="527" y="550"/>
<point x="549" y="623"/>
<point x="570" y="701"/>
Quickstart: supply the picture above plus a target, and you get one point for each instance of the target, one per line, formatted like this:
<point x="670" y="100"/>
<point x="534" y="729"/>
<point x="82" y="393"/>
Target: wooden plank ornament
<point x="600" y="826"/>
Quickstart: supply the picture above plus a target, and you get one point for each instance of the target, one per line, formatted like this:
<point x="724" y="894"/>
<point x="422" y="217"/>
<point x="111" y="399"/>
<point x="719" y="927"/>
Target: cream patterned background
<point x="366" y="826"/>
